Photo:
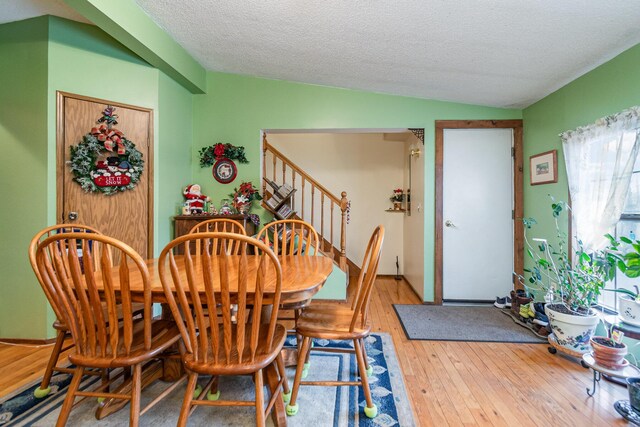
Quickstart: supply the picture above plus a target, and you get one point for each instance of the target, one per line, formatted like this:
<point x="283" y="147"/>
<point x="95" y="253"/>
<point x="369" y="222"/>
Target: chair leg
<point x="44" y="389"/>
<point x="292" y="407"/>
<point x="370" y="410"/>
<point x="286" y="393"/>
<point x="260" y="417"/>
<point x="136" y="387"/>
<point x="366" y="359"/>
<point x="188" y="397"/>
<point x="71" y="396"/>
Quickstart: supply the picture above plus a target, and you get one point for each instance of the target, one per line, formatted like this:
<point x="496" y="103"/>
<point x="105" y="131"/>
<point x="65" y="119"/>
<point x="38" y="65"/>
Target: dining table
<point x="302" y="277"/>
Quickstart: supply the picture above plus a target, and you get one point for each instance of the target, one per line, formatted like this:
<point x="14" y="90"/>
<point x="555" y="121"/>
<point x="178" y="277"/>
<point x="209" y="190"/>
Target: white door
<point x="477" y="214"/>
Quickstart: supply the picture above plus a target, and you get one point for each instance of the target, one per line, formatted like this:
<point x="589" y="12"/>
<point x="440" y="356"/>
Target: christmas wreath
<point x="211" y="154"/>
<point x="105" y="160"/>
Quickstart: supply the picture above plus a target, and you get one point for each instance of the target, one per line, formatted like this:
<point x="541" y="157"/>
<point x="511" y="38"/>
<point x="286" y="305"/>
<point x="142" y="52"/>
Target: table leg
<point x="596" y="379"/>
<point x="278" y="413"/>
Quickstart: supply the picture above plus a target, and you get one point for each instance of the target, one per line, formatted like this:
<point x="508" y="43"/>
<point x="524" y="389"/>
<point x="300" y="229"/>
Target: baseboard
<point x="27" y="341"/>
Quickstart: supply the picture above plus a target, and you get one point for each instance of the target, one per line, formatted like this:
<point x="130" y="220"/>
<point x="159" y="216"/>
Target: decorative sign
<point x="225" y="171"/>
<point x="105" y="160"/>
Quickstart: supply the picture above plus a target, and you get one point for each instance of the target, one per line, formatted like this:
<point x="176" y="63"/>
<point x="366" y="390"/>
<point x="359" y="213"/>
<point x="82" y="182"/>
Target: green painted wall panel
<point x="237" y="108"/>
<point x="23" y="178"/>
<point x="610" y="88"/>
<point x="126" y="22"/>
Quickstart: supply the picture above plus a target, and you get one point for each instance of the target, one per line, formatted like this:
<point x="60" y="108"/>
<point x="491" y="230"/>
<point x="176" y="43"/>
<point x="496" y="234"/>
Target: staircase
<point x="313" y="203"/>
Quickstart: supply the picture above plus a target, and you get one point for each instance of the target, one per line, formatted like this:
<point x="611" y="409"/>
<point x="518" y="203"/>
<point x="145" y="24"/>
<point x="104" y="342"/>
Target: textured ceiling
<point x="17" y="10"/>
<point x="506" y="53"/>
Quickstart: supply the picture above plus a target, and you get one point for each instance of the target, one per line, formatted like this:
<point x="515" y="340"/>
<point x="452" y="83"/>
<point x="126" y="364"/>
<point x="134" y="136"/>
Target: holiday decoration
<point x="244" y="197"/>
<point x="221" y="156"/>
<point x="195" y="200"/>
<point x="105" y="160"/>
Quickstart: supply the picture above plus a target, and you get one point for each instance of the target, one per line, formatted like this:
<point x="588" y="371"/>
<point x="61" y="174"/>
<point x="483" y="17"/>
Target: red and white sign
<point x="112" y="181"/>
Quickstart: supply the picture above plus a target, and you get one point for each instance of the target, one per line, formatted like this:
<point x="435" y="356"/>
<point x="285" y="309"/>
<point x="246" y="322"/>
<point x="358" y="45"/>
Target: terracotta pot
<point x="606" y="355"/>
<point x="572" y="331"/>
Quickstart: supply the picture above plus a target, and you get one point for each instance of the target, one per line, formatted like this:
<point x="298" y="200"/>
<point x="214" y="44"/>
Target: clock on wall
<point x="224" y="171"/>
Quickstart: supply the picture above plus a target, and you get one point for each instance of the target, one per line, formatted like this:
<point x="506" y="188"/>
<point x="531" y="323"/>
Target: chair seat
<point x="329" y="322"/>
<point x="164" y="333"/>
<point x="136" y="308"/>
<point x="264" y="354"/>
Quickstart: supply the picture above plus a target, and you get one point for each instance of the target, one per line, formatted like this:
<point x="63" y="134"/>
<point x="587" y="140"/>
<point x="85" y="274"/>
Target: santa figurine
<point x="195" y="198"/>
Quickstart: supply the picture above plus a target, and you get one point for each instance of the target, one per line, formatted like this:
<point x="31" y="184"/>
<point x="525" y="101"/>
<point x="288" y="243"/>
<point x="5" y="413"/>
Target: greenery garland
<point x="211" y="154"/>
<point x="83" y="164"/>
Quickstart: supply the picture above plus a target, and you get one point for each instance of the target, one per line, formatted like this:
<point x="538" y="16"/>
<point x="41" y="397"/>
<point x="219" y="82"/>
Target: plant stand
<point x="598" y="371"/>
<point x="555" y="347"/>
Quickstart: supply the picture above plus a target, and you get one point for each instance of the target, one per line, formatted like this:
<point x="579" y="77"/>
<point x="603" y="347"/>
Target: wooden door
<point x="128" y="215"/>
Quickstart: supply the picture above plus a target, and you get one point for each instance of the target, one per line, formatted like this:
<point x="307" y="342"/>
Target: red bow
<point x="109" y="137"/>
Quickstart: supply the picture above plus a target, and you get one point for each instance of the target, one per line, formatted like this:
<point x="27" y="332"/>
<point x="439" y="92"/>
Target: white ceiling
<point x="17" y="10"/>
<point x="505" y="53"/>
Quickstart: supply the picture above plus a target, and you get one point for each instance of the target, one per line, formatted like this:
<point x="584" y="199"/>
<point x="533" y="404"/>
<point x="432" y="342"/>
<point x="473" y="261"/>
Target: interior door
<point x="125" y="216"/>
<point x="477" y="229"/>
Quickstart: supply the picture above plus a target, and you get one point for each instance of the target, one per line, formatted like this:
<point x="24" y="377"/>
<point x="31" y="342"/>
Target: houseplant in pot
<point x="608" y="352"/>
<point x="569" y="286"/>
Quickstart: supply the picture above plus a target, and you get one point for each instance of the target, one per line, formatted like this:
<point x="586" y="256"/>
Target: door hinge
<point x="513" y="214"/>
<point x="513" y="152"/>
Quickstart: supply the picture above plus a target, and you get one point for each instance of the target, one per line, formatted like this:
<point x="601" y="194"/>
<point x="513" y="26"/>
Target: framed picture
<point x="544" y="167"/>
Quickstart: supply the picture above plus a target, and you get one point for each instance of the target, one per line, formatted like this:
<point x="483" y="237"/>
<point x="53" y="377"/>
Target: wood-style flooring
<point x="449" y="383"/>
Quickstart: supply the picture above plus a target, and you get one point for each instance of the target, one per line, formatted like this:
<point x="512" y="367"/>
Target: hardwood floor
<point x="449" y="383"/>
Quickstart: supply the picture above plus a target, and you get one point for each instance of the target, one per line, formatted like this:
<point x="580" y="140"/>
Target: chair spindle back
<point x="80" y="285"/>
<point x="211" y="283"/>
<point x="366" y="278"/>
<point x="219" y="225"/>
<point x="291" y="237"/>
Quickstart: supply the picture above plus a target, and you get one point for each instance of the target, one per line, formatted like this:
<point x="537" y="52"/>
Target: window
<point x="628" y="226"/>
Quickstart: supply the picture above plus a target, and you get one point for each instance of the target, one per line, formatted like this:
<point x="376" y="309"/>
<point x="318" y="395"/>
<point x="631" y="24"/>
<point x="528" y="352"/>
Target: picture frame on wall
<point x="543" y="168"/>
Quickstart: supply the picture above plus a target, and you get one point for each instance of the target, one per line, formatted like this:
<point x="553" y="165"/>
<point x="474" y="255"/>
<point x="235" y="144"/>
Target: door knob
<point x="73" y="216"/>
<point x="448" y="223"/>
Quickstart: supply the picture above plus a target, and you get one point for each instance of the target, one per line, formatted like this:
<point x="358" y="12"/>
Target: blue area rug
<point x="316" y="403"/>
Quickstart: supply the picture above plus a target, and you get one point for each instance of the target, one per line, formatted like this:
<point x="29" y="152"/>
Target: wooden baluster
<point x="321" y="220"/>
<point x="284" y="172"/>
<point x="331" y="232"/>
<point x="265" y="144"/>
<point x="274" y="167"/>
<point x="302" y="205"/>
<point x="343" y="231"/>
<point x="293" y="184"/>
<point x="313" y="189"/>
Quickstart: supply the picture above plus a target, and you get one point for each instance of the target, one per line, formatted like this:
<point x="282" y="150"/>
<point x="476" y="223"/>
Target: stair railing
<point x="279" y="169"/>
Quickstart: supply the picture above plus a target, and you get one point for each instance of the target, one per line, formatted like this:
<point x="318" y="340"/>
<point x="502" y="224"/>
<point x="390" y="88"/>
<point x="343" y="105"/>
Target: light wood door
<point x="126" y="216"/>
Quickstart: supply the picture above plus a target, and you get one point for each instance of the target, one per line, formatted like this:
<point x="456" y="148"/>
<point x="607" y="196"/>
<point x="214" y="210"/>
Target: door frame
<point x="60" y="157"/>
<point x="518" y="206"/>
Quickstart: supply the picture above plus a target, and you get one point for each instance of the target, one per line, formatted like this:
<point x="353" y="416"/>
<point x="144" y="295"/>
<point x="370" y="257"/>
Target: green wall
<point x="23" y="179"/>
<point x="51" y="54"/>
<point x="610" y="88"/>
<point x="237" y="108"/>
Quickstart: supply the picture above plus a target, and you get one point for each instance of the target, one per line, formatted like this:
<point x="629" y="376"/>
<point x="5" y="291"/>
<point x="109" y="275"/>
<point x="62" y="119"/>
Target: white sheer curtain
<point x="599" y="159"/>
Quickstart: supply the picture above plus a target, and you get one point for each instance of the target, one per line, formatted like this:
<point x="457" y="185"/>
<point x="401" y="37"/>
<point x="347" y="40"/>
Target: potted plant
<point x="608" y="352"/>
<point x="627" y="254"/>
<point x="570" y="287"/>
<point x="397" y="198"/>
<point x="244" y="196"/>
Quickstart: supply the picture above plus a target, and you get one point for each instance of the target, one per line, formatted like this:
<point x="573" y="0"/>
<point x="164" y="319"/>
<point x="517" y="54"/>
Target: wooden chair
<point x="59" y="325"/>
<point x="215" y="345"/>
<point x="291" y="237"/>
<point x="101" y="341"/>
<point x="334" y="322"/>
<point x="219" y="225"/>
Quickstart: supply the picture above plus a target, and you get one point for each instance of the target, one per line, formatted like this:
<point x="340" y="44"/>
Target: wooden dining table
<point x="302" y="278"/>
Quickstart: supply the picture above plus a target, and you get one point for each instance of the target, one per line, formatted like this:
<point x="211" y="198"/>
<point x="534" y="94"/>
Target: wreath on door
<point x="105" y="160"/>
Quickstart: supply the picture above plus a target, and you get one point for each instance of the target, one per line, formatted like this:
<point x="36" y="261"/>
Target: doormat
<point x="461" y="323"/>
<point x="316" y="403"/>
